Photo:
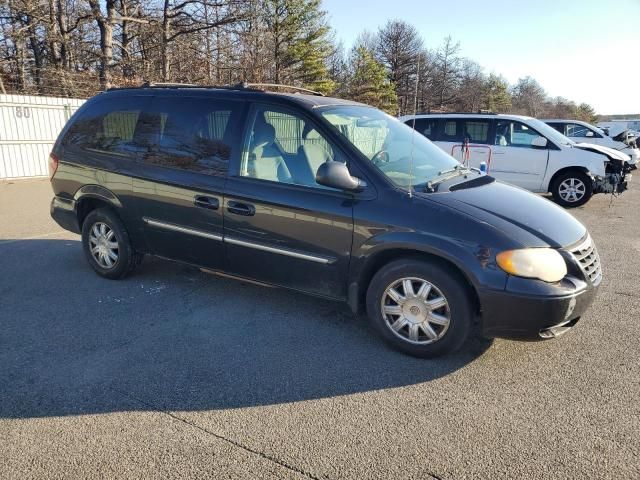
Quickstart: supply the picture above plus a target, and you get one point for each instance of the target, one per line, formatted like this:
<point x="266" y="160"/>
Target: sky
<point x="586" y="51"/>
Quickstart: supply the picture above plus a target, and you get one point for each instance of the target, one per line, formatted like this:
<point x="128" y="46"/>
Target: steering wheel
<point x="381" y="157"/>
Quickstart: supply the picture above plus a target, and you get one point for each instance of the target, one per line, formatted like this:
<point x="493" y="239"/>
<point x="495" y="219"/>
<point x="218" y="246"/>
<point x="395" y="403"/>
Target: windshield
<point x="406" y="157"/>
<point x="550" y="132"/>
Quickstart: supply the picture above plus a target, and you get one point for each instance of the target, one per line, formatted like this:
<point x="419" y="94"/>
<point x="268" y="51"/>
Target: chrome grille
<point x="587" y="256"/>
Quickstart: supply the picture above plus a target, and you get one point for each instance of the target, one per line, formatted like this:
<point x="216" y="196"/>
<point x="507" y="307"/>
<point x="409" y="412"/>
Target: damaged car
<point x="528" y="153"/>
<point x="583" y="132"/>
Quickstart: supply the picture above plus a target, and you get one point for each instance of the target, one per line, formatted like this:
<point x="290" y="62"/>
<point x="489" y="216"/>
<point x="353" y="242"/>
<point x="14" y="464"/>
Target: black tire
<point x="127" y="257"/>
<point x="447" y="282"/>
<point x="578" y="176"/>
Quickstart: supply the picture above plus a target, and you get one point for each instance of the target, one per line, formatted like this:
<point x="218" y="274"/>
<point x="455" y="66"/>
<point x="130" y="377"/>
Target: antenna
<point x="413" y="127"/>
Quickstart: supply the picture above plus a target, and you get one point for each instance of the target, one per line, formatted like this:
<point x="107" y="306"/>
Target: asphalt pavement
<point x="176" y="373"/>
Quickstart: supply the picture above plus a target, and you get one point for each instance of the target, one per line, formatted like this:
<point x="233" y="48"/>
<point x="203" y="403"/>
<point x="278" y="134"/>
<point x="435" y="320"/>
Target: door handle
<point x="202" y="201"/>
<point x="240" y="208"/>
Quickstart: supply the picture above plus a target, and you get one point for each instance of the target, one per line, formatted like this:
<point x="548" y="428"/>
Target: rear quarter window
<point x="108" y="126"/>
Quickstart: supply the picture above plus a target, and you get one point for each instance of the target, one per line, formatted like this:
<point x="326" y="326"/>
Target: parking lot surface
<point x="176" y="373"/>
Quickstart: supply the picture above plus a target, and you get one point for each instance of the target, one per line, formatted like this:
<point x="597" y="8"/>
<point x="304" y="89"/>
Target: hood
<point x="522" y="215"/>
<point x="611" y="153"/>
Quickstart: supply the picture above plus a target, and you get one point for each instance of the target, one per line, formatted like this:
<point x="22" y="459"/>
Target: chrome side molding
<point x="178" y="228"/>
<point x="281" y="251"/>
<point x="235" y="241"/>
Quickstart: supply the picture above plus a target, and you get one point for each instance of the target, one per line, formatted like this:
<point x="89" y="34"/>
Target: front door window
<point x="510" y="133"/>
<point x="284" y="147"/>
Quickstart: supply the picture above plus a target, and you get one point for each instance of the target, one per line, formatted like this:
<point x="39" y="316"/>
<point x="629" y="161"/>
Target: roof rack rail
<point x="433" y="112"/>
<point x="263" y="86"/>
<point x="168" y="84"/>
<point x="256" y="87"/>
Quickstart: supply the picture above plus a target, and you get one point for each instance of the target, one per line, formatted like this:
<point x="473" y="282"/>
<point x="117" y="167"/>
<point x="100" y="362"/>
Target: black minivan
<point x="325" y="196"/>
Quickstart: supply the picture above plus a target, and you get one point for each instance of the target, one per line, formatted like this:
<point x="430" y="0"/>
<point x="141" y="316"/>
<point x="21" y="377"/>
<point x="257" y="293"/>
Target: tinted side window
<point x="514" y="134"/>
<point x="451" y="131"/>
<point x="426" y="126"/>
<point x="557" y="126"/>
<point x="108" y="126"/>
<point x="475" y="131"/>
<point x="190" y="133"/>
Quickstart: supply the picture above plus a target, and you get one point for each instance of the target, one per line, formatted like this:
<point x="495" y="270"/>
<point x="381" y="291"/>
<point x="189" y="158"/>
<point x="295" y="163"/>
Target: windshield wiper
<point x="449" y="170"/>
<point x="432" y="185"/>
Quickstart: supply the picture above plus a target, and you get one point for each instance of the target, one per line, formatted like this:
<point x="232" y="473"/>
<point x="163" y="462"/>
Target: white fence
<point x="29" y="127"/>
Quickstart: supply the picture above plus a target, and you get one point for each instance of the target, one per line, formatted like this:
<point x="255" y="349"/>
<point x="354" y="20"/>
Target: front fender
<point x="475" y="261"/>
<point x="594" y="162"/>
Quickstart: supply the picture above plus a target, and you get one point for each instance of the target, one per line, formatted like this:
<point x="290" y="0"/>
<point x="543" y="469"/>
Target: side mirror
<point x="539" y="142"/>
<point x="589" y="134"/>
<point x="336" y="175"/>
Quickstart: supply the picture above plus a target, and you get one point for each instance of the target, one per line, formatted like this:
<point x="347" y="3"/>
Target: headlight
<point x="543" y="263"/>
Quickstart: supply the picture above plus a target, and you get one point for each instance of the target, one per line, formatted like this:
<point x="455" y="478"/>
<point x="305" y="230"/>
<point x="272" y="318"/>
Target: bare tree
<point x="398" y="48"/>
<point x="528" y="97"/>
<point x="447" y="74"/>
<point x="471" y="92"/>
<point x="105" y="24"/>
<point x="79" y="47"/>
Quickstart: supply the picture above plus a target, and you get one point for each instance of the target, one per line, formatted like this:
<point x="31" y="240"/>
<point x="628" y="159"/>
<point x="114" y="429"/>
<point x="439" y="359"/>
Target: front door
<point x="282" y="227"/>
<point x="180" y="189"/>
<point x="514" y="159"/>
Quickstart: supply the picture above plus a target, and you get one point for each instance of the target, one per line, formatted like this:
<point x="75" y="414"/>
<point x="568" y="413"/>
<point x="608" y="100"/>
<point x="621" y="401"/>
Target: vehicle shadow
<point x="174" y="338"/>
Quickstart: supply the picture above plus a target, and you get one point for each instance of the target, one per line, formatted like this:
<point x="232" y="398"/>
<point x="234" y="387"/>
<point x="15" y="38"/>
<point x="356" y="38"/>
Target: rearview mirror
<point x="539" y="142"/>
<point x="336" y="175"/>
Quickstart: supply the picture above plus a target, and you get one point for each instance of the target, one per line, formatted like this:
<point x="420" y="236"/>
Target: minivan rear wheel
<point x="421" y="308"/>
<point x="106" y="245"/>
<point x="572" y="189"/>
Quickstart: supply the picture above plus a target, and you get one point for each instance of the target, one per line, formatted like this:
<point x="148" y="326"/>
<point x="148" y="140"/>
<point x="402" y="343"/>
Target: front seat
<point x="265" y="159"/>
<point x="314" y="152"/>
<point x="501" y="136"/>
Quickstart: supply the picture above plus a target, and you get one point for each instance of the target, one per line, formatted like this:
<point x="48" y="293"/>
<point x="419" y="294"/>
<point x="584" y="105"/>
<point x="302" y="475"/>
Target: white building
<point x="29" y="127"/>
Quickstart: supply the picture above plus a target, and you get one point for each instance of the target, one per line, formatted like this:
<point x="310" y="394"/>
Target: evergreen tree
<point x="497" y="94"/>
<point x="369" y="83"/>
<point x="586" y="113"/>
<point x="299" y="37"/>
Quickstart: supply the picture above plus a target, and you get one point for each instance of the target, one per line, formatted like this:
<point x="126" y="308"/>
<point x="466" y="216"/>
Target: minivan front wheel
<point x="572" y="189"/>
<point x="106" y="244"/>
<point x="420" y="307"/>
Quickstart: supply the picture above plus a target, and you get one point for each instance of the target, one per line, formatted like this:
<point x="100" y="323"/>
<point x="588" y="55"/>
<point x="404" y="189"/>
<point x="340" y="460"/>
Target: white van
<point x="528" y="153"/>
<point x="583" y="132"/>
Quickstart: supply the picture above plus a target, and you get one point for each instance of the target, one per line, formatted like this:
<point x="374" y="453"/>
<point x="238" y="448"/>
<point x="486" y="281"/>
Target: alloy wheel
<point x="104" y="245"/>
<point x="572" y="190"/>
<point x="415" y="310"/>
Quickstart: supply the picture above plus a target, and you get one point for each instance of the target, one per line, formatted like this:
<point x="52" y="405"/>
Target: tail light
<point x="53" y="164"/>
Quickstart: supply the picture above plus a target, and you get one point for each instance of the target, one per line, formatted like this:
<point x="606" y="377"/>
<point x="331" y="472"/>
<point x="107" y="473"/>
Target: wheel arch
<point x="91" y="197"/>
<point x="553" y="178"/>
<point x="359" y="285"/>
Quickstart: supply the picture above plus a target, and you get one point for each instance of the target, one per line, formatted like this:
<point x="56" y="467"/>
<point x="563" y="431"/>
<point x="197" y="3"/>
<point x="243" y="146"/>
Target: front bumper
<point x="63" y="211"/>
<point x="613" y="182"/>
<point x="538" y="315"/>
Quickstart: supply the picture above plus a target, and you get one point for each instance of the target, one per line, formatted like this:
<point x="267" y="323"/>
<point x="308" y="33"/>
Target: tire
<point x="103" y="230"/>
<point x="453" y="319"/>
<point x="572" y="179"/>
